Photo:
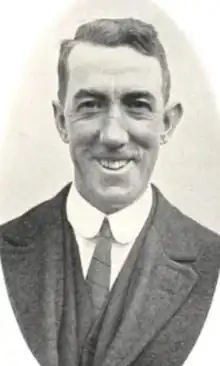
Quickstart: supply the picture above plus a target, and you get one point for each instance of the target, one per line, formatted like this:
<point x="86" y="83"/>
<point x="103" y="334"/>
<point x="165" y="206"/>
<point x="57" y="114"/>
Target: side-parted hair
<point x="134" y="33"/>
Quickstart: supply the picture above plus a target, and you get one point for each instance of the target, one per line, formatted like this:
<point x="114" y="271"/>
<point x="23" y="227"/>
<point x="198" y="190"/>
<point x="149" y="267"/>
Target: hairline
<point x="73" y="43"/>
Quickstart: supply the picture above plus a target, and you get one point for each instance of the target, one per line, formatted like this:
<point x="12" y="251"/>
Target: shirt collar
<point x="125" y="224"/>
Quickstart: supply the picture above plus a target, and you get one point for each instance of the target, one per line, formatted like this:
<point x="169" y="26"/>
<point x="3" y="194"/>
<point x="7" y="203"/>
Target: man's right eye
<point x="89" y="106"/>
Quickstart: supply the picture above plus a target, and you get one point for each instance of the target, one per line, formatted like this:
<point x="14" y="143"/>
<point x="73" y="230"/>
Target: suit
<point x="165" y="310"/>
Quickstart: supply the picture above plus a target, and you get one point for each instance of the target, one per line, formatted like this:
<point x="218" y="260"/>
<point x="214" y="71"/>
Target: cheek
<point x="83" y="132"/>
<point x="146" y="134"/>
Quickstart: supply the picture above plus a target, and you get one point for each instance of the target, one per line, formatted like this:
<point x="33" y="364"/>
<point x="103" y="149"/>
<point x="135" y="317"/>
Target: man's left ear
<point x="172" y="117"/>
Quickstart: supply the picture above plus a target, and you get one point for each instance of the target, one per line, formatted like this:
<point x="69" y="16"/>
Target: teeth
<point x="112" y="164"/>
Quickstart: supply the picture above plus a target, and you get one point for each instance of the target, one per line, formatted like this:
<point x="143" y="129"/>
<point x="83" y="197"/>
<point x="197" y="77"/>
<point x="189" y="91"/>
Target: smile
<point x="113" y="164"/>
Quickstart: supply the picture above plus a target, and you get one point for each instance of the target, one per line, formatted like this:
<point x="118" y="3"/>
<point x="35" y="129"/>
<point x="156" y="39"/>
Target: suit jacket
<point x="162" y="321"/>
<point x="205" y="350"/>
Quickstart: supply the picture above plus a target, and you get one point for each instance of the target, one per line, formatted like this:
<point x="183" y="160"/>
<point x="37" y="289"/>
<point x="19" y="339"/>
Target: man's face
<point x="113" y="119"/>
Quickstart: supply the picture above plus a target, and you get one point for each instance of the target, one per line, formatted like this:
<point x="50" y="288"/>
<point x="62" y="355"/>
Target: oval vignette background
<point x="35" y="164"/>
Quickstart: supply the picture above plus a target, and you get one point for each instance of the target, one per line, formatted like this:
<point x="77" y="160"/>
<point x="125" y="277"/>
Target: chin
<point x="116" y="198"/>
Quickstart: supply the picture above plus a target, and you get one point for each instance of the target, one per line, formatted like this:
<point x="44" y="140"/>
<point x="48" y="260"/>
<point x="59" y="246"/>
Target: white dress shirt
<point x="126" y="224"/>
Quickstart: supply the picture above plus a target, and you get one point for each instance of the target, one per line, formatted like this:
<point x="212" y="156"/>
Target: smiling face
<point x="113" y="119"/>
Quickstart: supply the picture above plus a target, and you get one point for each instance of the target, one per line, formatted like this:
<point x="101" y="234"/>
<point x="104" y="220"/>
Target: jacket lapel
<point x="159" y="287"/>
<point x="32" y="261"/>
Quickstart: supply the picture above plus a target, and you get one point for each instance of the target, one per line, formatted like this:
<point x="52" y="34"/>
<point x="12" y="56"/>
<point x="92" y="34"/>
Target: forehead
<point x="118" y="68"/>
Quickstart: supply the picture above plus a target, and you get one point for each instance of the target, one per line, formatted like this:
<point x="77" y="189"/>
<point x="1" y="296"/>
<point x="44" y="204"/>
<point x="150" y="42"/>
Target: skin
<point x="114" y="110"/>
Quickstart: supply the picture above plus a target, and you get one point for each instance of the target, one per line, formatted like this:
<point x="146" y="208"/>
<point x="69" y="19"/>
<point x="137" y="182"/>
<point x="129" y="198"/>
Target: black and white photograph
<point x="109" y="193"/>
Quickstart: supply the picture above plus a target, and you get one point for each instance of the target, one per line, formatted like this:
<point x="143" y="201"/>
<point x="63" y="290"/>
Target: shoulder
<point x="34" y="219"/>
<point x="174" y="220"/>
<point x="182" y="233"/>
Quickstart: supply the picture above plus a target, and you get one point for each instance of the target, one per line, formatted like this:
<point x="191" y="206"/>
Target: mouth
<point x="114" y="165"/>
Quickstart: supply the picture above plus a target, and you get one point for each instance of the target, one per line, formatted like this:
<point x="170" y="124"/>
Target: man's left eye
<point x="139" y="105"/>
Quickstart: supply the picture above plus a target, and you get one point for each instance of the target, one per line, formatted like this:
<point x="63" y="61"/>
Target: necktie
<point x="98" y="276"/>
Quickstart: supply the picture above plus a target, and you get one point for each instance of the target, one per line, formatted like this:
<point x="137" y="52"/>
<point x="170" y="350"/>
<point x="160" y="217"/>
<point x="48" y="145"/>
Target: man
<point x="108" y="272"/>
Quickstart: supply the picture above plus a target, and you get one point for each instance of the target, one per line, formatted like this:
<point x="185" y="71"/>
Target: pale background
<point x="34" y="163"/>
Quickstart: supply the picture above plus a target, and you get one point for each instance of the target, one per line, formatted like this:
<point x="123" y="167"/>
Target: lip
<point x="120" y="170"/>
<point x="113" y="157"/>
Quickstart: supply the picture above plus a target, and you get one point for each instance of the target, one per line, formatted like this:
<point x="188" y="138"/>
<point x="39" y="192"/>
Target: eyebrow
<point x="89" y="93"/>
<point x="93" y="93"/>
<point x="140" y="95"/>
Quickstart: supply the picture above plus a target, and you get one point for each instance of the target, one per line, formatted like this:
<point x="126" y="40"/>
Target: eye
<point x="91" y="105"/>
<point x="138" y="104"/>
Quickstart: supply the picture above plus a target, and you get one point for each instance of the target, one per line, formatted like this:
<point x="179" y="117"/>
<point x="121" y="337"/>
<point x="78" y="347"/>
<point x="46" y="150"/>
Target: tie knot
<point x="105" y="230"/>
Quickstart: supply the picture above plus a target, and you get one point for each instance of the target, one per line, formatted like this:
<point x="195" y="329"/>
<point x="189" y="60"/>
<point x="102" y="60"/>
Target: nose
<point x="113" y="135"/>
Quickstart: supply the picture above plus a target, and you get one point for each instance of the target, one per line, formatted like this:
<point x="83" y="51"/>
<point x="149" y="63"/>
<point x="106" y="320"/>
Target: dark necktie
<point x="98" y="276"/>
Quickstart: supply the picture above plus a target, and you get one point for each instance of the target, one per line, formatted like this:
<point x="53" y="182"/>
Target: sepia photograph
<point x="109" y="203"/>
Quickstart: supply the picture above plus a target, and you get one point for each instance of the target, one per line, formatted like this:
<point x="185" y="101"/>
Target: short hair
<point x="134" y="33"/>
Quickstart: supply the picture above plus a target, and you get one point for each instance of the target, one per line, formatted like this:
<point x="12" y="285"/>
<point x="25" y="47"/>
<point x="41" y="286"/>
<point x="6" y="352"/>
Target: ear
<point x="172" y="117"/>
<point x="60" y="121"/>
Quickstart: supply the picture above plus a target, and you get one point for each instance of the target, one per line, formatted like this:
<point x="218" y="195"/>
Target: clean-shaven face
<point x="113" y="114"/>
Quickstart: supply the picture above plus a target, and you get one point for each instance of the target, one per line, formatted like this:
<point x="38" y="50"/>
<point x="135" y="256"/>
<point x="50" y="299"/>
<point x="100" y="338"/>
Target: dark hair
<point x="112" y="33"/>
